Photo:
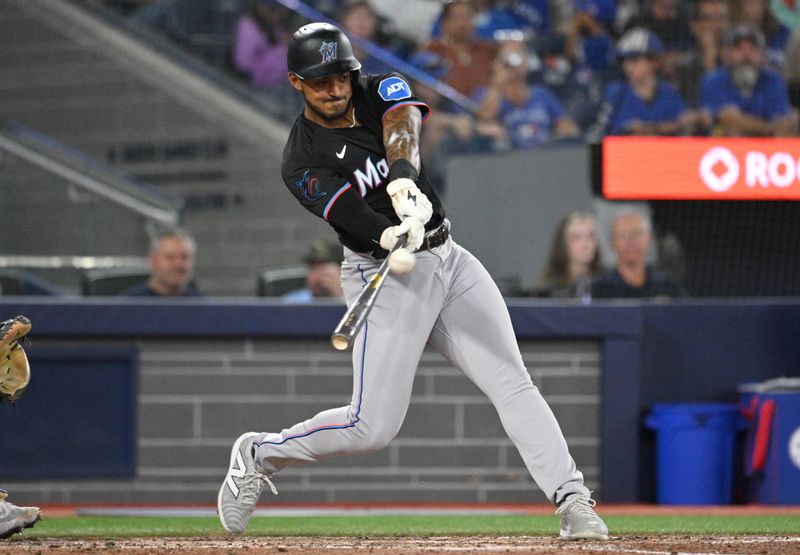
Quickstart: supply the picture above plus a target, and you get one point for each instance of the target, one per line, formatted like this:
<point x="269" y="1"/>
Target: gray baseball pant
<point x="450" y="301"/>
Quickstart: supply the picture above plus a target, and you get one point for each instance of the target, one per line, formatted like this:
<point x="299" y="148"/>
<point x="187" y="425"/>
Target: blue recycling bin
<point x="772" y="447"/>
<point x="695" y="452"/>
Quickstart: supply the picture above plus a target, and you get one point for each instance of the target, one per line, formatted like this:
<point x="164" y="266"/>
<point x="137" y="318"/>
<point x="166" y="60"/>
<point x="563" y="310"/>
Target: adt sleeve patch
<point x="394" y="88"/>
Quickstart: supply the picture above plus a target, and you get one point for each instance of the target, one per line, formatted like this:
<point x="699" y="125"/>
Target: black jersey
<point x="341" y="174"/>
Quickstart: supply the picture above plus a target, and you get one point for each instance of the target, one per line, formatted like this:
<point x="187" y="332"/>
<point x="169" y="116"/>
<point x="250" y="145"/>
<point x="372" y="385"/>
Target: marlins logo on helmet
<point x="328" y="51"/>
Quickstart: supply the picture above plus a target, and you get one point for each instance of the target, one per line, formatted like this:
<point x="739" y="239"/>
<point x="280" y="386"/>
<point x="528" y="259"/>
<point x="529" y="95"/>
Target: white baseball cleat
<point x="242" y="486"/>
<point x="15" y="519"/>
<point x="579" y="521"/>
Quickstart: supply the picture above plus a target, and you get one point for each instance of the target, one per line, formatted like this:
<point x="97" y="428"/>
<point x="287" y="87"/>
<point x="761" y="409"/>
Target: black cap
<point x="320" y="50"/>
<point x="745" y="31"/>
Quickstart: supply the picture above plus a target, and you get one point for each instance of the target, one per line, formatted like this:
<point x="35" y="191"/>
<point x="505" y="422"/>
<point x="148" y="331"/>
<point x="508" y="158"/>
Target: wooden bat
<point x="354" y="318"/>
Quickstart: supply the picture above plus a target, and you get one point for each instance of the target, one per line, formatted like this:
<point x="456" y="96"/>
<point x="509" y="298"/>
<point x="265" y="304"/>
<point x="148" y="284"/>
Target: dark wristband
<point x="402" y="168"/>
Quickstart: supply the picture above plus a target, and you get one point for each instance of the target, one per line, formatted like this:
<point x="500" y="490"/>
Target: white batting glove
<point x="409" y="201"/>
<point x="411" y="226"/>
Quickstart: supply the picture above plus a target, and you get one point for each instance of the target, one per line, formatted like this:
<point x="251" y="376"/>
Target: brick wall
<point x="197" y="396"/>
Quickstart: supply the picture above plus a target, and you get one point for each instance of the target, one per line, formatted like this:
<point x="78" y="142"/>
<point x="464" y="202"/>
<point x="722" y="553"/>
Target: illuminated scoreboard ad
<point x="701" y="168"/>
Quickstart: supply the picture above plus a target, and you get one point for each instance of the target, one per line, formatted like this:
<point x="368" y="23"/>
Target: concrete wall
<point x="94" y="98"/>
<point x="197" y="396"/>
<point x="505" y="208"/>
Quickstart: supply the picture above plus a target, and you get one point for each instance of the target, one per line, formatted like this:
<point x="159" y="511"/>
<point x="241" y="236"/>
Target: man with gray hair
<point x="171" y="259"/>
<point x="631" y="238"/>
<point x="746" y="98"/>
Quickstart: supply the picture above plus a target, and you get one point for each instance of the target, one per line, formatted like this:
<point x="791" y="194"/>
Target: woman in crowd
<point x="575" y="257"/>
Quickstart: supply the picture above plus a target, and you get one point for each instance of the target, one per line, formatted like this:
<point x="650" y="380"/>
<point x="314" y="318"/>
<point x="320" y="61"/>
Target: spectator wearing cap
<point x="515" y="114"/>
<point x="323" y="280"/>
<point x="744" y="97"/>
<point x="642" y="104"/>
<point x="670" y="21"/>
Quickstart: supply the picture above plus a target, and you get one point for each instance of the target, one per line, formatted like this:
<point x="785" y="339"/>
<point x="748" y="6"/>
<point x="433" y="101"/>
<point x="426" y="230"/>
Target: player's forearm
<point x="359" y="220"/>
<point x="401" y="131"/>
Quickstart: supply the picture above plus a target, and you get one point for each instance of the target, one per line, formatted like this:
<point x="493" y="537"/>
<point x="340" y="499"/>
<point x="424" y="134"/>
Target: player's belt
<point x="435" y="237"/>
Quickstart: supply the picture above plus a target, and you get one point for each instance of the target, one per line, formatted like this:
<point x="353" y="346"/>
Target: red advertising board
<point x="704" y="168"/>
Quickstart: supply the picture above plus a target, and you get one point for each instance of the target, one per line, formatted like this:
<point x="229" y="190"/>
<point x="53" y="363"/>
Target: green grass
<point x="495" y="525"/>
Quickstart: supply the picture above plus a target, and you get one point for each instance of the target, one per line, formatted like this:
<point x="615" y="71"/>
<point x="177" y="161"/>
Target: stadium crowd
<point x="506" y="75"/>
<point x="537" y="72"/>
<point x="576" y="56"/>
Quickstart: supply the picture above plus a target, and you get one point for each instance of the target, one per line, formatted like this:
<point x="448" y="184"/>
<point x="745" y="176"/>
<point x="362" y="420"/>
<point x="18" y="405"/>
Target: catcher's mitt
<point x="15" y="373"/>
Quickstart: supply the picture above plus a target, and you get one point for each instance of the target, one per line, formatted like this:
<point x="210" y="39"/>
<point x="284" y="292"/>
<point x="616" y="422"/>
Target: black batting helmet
<point x="320" y="50"/>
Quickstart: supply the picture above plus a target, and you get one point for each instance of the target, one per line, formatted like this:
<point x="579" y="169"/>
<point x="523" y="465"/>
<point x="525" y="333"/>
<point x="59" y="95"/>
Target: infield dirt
<point x="656" y="545"/>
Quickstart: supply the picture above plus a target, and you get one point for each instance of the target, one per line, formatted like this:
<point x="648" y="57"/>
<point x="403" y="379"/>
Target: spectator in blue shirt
<point x="516" y="114"/>
<point x="643" y="104"/>
<point x="744" y="97"/>
<point x="493" y="18"/>
<point x="529" y="16"/>
<point x="324" y="277"/>
<point x="590" y="34"/>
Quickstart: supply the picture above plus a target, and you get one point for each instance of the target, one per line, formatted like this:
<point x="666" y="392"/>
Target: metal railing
<point x="57" y="262"/>
<point x="80" y="169"/>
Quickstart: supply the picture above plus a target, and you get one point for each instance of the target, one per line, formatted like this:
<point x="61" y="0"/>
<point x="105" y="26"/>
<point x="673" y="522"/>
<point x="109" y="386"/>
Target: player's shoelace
<point x="579" y="504"/>
<point x="256" y="481"/>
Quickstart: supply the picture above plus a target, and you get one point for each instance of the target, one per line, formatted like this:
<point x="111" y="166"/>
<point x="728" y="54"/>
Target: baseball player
<point x="14" y="378"/>
<point x="352" y="159"/>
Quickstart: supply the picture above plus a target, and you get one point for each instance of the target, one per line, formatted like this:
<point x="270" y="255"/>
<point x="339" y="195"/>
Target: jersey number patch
<point x="394" y="88"/>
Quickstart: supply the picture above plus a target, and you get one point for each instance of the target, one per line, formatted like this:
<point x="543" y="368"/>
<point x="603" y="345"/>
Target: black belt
<point x="435" y="237"/>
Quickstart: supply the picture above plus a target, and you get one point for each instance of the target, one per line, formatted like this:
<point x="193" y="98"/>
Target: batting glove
<point x="411" y="226"/>
<point x="409" y="201"/>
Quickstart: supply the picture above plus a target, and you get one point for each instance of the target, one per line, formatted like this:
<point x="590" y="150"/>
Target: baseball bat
<point x="354" y="318"/>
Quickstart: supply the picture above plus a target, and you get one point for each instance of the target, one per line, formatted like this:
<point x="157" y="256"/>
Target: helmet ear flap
<point x="320" y="50"/>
